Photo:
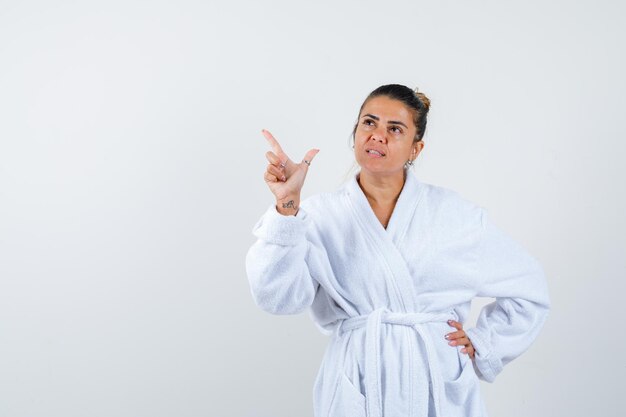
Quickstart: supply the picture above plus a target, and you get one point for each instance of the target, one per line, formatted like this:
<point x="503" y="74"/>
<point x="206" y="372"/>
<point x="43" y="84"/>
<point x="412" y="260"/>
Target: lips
<point x="375" y="152"/>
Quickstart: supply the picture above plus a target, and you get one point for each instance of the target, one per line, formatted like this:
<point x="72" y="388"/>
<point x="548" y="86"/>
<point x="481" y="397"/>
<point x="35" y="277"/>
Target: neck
<point x="382" y="190"/>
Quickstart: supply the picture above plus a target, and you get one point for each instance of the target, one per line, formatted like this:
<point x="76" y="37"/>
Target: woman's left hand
<point x="460" y="338"/>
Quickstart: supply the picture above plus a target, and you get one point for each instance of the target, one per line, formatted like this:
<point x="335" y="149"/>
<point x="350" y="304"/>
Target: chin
<point x="384" y="165"/>
<point x="379" y="169"/>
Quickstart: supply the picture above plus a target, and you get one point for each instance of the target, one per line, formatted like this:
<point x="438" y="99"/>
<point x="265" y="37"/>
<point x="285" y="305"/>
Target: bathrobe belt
<point x="372" y="322"/>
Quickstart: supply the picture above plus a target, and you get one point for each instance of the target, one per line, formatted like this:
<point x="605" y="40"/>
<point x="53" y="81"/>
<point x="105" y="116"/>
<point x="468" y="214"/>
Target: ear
<point x="417" y="148"/>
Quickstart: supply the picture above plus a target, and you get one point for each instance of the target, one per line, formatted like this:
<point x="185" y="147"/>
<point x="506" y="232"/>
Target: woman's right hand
<point x="284" y="177"/>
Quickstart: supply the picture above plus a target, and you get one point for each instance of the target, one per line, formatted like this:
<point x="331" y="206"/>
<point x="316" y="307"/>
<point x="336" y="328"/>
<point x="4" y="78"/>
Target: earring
<point x="409" y="163"/>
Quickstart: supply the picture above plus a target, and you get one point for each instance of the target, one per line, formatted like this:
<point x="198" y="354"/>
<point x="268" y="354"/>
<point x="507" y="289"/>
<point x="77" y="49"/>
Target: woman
<point x="389" y="265"/>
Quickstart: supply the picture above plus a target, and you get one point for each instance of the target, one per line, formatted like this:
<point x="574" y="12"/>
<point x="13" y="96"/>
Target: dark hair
<point x="415" y="101"/>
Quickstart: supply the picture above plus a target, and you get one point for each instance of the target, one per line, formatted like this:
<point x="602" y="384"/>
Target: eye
<point x="368" y="122"/>
<point x="398" y="130"/>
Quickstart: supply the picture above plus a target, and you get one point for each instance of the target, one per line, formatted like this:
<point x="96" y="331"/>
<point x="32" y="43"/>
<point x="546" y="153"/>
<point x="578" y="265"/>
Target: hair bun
<point x="422" y="98"/>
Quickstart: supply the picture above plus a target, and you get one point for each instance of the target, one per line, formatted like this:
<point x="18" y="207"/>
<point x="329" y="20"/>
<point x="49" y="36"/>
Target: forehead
<point x="387" y="109"/>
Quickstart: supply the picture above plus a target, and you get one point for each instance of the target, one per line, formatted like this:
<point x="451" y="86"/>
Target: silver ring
<point x="306" y="162"/>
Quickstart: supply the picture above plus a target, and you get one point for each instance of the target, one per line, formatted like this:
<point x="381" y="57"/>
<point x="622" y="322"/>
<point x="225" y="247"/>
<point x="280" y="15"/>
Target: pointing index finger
<point x="275" y="145"/>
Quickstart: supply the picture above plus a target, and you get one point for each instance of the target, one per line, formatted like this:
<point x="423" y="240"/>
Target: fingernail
<point x="447" y="336"/>
<point x="449" y="321"/>
<point x="284" y="178"/>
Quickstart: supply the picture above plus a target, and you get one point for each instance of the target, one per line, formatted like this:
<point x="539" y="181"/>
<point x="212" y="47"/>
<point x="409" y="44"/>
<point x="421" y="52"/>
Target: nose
<point x="379" y="134"/>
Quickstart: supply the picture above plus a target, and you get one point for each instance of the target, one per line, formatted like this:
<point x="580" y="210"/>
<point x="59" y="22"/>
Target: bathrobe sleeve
<point x="506" y="327"/>
<point x="276" y="265"/>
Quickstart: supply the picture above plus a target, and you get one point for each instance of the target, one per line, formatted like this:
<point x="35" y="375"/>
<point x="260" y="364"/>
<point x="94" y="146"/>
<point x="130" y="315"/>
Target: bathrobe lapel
<point x="387" y="242"/>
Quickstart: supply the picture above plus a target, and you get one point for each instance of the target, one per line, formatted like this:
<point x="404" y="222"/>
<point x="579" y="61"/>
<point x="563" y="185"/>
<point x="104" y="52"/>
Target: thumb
<point x="310" y="155"/>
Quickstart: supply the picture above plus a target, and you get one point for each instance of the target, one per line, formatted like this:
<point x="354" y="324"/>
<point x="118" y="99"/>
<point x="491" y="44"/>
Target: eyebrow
<point x="391" y="122"/>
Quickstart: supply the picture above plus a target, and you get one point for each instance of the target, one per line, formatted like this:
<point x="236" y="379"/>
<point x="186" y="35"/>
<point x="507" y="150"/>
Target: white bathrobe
<point x="385" y="296"/>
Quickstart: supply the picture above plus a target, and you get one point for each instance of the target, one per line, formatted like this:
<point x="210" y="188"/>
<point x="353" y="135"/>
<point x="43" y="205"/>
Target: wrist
<point x="288" y="206"/>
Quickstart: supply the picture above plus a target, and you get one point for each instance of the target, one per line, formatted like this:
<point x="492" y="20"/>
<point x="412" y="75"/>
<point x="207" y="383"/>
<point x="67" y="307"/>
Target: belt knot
<point x="372" y="323"/>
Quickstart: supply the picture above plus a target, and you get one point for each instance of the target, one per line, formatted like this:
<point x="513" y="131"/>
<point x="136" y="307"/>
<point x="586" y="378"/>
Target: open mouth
<point x="374" y="152"/>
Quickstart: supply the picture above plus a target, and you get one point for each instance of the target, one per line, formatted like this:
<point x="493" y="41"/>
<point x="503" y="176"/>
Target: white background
<point x="131" y="165"/>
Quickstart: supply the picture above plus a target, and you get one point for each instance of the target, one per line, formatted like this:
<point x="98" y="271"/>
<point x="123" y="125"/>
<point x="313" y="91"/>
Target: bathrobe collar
<point x="403" y="211"/>
<point x="389" y="241"/>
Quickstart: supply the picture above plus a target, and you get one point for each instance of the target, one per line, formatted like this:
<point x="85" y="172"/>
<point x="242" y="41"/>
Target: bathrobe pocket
<point x="458" y="389"/>
<point x="347" y="399"/>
